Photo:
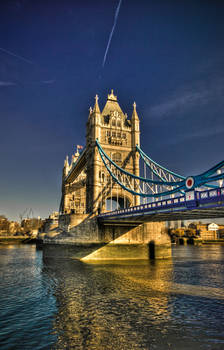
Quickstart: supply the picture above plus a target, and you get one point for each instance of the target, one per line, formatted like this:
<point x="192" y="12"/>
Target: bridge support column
<point x="159" y="243"/>
<point x="89" y="241"/>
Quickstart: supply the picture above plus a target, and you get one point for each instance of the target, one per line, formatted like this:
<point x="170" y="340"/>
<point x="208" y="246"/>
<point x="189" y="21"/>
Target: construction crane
<point x="28" y="212"/>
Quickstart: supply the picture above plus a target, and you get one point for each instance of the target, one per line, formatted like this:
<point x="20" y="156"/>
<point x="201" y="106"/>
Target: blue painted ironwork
<point x="198" y="199"/>
<point x="113" y="168"/>
<point x="170" y="182"/>
<point x="144" y="157"/>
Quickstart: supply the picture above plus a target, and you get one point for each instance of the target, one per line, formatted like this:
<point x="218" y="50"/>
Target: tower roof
<point x="96" y="108"/>
<point x="111" y="104"/>
<point x="134" y="114"/>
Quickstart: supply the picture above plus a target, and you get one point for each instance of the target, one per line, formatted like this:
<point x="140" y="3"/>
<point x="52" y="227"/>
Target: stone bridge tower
<point x="87" y="187"/>
<point x="118" y="136"/>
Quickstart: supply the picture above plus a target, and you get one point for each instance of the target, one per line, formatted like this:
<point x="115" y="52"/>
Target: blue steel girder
<point x="167" y="180"/>
<point x="195" y="205"/>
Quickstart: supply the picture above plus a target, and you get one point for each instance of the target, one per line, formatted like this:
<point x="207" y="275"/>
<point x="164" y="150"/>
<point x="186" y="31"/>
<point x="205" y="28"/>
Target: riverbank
<point x="17" y="240"/>
<point x="213" y="241"/>
<point x="197" y="241"/>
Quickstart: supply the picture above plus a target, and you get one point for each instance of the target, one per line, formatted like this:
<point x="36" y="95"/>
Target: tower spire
<point x="134" y="114"/>
<point x="66" y="163"/>
<point x="66" y="167"/>
<point x="96" y="108"/>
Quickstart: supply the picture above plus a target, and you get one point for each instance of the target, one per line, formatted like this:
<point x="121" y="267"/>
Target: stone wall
<point x="69" y="221"/>
<point x="95" y="241"/>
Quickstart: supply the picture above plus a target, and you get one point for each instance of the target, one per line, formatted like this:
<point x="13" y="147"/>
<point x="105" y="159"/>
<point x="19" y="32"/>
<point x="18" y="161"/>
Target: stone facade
<point x="92" y="189"/>
<point x="92" y="241"/>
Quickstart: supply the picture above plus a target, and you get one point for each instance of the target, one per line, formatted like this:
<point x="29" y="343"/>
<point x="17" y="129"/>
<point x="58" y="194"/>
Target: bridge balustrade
<point x="203" y="197"/>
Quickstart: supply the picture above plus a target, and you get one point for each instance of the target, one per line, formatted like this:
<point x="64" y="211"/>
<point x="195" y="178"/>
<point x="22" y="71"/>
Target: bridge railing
<point x="190" y="200"/>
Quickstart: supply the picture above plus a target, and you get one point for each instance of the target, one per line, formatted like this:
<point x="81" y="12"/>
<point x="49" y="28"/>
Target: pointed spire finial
<point x="134" y="114"/>
<point x="96" y="108"/>
<point x="90" y="109"/>
<point x="66" y="163"/>
<point x="111" y="96"/>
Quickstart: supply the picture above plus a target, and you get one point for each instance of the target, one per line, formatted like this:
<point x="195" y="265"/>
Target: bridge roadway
<point x="193" y="205"/>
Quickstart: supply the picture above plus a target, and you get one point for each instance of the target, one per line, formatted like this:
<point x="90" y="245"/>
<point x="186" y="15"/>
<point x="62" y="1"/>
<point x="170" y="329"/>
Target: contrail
<point x="112" y="31"/>
<point x="13" y="54"/>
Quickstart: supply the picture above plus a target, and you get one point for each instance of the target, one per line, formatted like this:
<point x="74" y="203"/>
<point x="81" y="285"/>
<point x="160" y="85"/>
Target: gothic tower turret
<point x="93" y="133"/>
<point x="135" y="127"/>
<point x="118" y="136"/>
<point x="135" y="141"/>
<point x="87" y="186"/>
<point x="66" y="167"/>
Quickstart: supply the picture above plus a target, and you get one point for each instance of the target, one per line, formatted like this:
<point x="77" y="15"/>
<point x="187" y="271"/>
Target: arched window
<point x="113" y="122"/>
<point x="116" y="157"/>
<point x="118" y="123"/>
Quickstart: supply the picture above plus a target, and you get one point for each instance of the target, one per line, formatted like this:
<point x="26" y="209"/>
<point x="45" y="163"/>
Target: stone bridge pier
<point x="88" y="240"/>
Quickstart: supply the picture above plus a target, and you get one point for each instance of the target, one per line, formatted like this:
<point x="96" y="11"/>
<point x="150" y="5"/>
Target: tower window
<point x="116" y="157"/>
<point x="118" y="123"/>
<point x="113" y="122"/>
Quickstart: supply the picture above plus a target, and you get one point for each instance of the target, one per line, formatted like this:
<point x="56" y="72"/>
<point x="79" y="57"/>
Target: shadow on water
<point x="134" y="305"/>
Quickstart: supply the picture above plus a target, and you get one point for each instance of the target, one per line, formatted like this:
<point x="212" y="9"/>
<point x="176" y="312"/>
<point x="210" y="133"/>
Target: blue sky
<point x="166" y="55"/>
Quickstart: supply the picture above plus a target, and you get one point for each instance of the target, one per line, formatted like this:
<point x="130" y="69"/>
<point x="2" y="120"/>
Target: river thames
<point x="52" y="303"/>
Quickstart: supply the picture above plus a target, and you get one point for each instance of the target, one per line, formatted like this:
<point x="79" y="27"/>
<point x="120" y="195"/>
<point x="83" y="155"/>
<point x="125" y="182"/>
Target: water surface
<point x="52" y="303"/>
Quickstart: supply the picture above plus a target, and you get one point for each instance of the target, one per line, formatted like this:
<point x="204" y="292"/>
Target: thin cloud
<point x="200" y="133"/>
<point x="7" y="83"/>
<point x="17" y="56"/>
<point x="199" y="94"/>
<point x="48" y="81"/>
<point x="179" y="102"/>
<point x="112" y="32"/>
<point x="41" y="82"/>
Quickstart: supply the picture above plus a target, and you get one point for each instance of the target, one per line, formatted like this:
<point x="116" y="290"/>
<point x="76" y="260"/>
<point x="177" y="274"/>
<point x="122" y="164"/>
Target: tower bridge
<point x="116" y="199"/>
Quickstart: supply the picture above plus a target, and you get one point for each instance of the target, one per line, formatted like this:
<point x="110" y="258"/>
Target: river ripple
<point x="51" y="303"/>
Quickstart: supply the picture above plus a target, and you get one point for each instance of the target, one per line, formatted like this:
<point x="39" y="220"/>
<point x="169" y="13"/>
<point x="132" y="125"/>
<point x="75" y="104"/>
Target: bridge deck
<point x="194" y="205"/>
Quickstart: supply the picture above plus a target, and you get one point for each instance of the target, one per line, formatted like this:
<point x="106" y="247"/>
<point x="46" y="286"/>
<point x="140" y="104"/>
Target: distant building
<point x="175" y="224"/>
<point x="208" y="231"/>
<point x="51" y="222"/>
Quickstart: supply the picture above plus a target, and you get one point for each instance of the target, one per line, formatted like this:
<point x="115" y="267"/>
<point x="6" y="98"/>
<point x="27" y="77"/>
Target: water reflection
<point x="53" y="303"/>
<point x="102" y="306"/>
<point x="128" y="305"/>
